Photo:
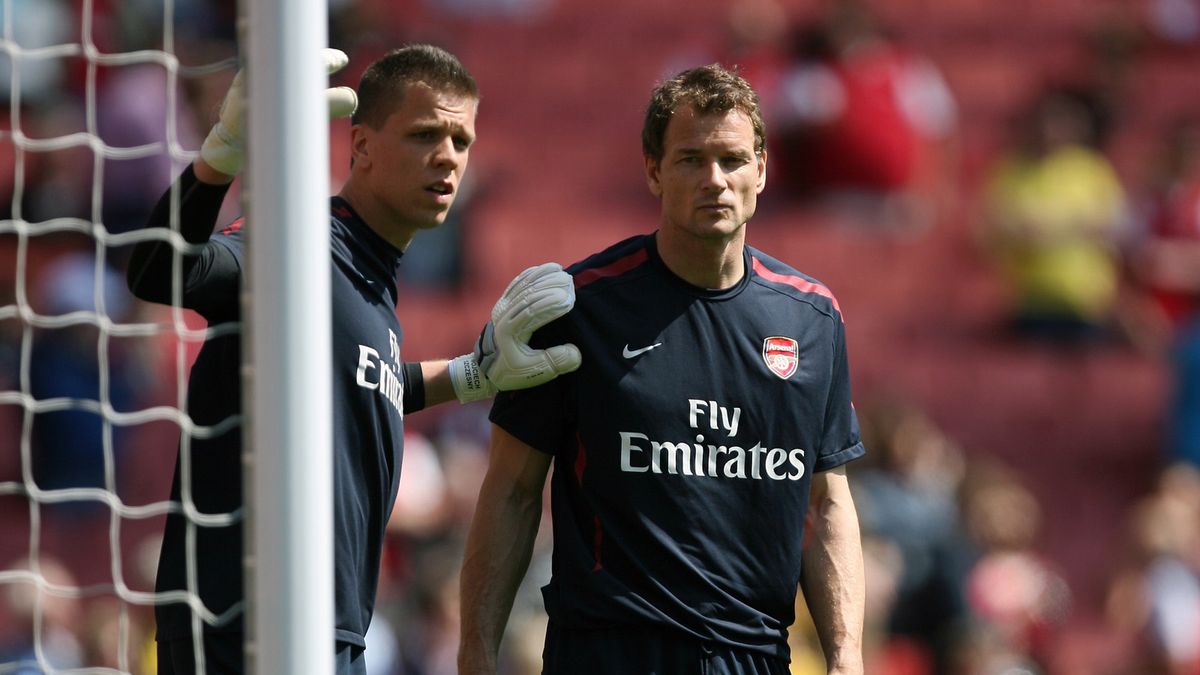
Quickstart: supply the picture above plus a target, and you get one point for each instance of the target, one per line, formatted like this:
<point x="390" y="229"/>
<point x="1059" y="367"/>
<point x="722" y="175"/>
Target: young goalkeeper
<point x="411" y="137"/>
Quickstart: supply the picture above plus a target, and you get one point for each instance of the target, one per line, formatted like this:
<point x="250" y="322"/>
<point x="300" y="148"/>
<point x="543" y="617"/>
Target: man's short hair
<point x="710" y="90"/>
<point x="381" y="89"/>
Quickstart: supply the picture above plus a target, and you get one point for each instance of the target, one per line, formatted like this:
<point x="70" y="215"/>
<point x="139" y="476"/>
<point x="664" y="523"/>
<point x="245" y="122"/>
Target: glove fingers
<point x="564" y="358"/>
<point x="557" y="288"/>
<point x="342" y="101"/>
<point x="335" y="59"/>
<point x="542" y="310"/>
<point x="524" y="282"/>
<point x="520" y="322"/>
<point x="550" y="275"/>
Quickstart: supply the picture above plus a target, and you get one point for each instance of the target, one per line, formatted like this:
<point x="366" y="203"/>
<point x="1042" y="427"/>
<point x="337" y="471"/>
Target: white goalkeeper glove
<point x="224" y="149"/>
<point x="503" y="358"/>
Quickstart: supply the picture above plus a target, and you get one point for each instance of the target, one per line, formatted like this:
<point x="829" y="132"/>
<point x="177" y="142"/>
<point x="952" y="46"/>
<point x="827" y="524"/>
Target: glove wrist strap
<point x="470" y="384"/>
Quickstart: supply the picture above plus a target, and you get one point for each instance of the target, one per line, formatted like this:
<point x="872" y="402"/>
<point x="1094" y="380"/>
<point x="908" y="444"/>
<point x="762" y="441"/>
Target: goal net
<point x="107" y="103"/>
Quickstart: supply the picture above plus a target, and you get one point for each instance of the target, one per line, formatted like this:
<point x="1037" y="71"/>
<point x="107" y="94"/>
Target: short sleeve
<point x="539" y="416"/>
<point x="841" y="441"/>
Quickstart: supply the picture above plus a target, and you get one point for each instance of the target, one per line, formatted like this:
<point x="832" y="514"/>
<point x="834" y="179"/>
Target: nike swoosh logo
<point x="630" y="353"/>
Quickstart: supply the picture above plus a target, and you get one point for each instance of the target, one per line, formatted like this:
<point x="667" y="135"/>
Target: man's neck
<point x="376" y="216"/>
<point x="705" y="263"/>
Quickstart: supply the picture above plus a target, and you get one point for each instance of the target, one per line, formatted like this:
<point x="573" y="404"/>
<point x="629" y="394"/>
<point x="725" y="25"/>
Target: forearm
<point x="438" y="387"/>
<point x="435" y="386"/>
<point x="833" y="582"/>
<point x="499" y="547"/>
<point x="151" y="262"/>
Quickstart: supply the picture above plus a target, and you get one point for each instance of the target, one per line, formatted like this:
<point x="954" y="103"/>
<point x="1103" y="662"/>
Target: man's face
<point x="709" y="177"/>
<point x="415" y="161"/>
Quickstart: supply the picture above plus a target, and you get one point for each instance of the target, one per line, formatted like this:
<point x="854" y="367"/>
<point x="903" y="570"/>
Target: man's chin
<point x="436" y="220"/>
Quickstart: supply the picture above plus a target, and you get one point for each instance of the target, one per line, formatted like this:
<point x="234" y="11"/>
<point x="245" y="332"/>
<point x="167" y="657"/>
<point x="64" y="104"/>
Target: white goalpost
<point x="287" y="424"/>
<point x="290" y="342"/>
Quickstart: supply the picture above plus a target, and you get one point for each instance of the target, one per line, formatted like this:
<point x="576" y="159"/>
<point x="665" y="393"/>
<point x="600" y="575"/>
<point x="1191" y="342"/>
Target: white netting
<point x="103" y="100"/>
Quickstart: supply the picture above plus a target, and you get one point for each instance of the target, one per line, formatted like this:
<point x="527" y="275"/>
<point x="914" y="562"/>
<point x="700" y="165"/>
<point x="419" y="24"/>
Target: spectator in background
<point x="1054" y="211"/>
<point x="58" y="182"/>
<point x="34" y="25"/>
<point x="1175" y="21"/>
<point x="863" y="123"/>
<point x="1016" y="597"/>
<point x="1153" y="604"/>
<point x="72" y="362"/>
<point x="756" y="40"/>
<point x="1165" y="263"/>
<point x="46" y="625"/>
<point x="11" y="416"/>
<point x="907" y="497"/>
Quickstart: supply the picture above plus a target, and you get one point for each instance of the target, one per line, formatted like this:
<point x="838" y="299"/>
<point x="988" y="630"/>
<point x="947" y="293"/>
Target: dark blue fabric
<point x="367" y="416"/>
<point x="682" y="459"/>
<point x="642" y="651"/>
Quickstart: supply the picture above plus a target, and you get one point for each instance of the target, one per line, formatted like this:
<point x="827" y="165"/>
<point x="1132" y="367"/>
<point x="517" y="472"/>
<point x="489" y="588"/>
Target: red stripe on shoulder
<point x="619" y="266"/>
<point x="235" y="226"/>
<point x="799" y="283"/>
<point x="342" y="212"/>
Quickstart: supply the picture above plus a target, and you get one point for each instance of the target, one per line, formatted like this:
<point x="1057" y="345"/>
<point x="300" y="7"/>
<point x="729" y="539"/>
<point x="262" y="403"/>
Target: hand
<point x="536" y="297"/>
<point x="224" y="148"/>
<point x="502" y="358"/>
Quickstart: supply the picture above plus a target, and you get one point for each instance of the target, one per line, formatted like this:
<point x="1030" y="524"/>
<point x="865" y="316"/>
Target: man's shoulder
<point x="613" y="263"/>
<point x="769" y="272"/>
<point x="230" y="238"/>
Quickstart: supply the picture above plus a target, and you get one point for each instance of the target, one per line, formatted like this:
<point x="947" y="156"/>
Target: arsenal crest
<point x="782" y="356"/>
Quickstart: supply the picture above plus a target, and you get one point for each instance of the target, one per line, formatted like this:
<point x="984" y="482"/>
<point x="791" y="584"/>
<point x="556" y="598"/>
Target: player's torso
<point x="699" y="418"/>
<point x="368" y="420"/>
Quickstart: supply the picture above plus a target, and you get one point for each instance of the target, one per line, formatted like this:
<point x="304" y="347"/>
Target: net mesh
<point x="104" y="100"/>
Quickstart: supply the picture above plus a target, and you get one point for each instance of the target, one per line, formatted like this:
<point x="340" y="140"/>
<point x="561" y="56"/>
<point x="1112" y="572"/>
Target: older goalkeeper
<point x="412" y="133"/>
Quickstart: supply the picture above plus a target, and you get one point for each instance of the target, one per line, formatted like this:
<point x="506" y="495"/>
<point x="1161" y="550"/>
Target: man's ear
<point x="360" y="143"/>
<point x="652" y="179"/>
<point x="762" y="171"/>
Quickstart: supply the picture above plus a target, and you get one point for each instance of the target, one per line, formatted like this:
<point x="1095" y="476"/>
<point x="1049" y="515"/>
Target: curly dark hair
<point x="711" y="89"/>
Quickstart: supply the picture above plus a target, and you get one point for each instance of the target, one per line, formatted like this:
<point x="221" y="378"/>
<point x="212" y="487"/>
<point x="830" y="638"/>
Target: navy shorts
<point x="224" y="655"/>
<point x="647" y="651"/>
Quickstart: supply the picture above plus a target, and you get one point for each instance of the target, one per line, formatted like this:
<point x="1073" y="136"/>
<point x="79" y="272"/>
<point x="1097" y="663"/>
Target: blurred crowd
<point x="1095" y="250"/>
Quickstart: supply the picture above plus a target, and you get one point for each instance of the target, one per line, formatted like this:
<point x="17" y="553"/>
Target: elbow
<point x="149" y="272"/>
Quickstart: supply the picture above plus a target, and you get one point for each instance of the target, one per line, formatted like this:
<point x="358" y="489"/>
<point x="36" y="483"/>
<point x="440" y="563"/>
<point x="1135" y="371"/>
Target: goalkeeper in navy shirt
<point x="699" y="450"/>
<point x="410" y="140"/>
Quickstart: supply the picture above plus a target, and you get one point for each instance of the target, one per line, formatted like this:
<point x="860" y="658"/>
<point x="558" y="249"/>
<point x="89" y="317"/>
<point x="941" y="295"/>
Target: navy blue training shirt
<point x="369" y="401"/>
<point x="685" y="444"/>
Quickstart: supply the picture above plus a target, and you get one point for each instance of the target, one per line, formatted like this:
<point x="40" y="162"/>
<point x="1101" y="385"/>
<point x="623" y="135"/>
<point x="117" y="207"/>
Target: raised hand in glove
<point x="224" y="148"/>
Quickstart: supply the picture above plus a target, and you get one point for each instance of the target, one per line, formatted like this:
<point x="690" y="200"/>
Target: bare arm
<point x="499" y="546"/>
<point x="832" y="579"/>
<point x="438" y="387"/>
